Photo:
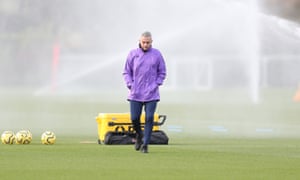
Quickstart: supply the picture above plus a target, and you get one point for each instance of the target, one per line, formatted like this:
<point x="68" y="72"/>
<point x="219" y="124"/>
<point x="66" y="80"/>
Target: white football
<point x="23" y="137"/>
<point x="8" y="137"/>
<point x="48" y="137"/>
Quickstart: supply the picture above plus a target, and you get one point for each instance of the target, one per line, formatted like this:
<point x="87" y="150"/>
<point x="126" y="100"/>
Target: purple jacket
<point x="143" y="73"/>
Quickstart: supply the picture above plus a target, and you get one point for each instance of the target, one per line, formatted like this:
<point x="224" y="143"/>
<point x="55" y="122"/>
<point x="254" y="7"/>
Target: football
<point x="48" y="137"/>
<point x="23" y="137"/>
<point x="8" y="137"/>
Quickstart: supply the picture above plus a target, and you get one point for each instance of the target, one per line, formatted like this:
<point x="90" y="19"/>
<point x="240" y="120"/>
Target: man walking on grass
<point x="144" y="72"/>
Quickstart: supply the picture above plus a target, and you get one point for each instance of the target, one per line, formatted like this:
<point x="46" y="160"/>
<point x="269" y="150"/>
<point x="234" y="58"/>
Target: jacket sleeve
<point x="127" y="73"/>
<point x="161" y="71"/>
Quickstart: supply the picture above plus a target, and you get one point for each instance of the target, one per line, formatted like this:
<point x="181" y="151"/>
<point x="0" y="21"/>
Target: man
<point x="144" y="72"/>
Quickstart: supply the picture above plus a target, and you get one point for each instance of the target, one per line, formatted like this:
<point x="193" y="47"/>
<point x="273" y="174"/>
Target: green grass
<point x="194" y="111"/>
<point x="195" y="153"/>
<point x="186" y="157"/>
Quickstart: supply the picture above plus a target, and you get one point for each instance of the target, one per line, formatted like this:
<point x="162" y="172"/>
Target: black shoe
<point x="144" y="149"/>
<point x="138" y="142"/>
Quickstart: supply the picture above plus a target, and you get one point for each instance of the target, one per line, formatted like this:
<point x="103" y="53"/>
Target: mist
<point x="232" y="69"/>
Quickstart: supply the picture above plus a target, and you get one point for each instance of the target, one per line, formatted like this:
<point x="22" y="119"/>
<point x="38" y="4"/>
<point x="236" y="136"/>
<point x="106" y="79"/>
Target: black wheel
<point x="107" y="139"/>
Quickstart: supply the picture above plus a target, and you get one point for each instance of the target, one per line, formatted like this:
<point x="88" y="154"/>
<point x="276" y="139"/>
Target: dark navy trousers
<point x="136" y="109"/>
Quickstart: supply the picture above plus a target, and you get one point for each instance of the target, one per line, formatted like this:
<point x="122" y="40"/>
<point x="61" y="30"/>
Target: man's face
<point x="145" y="42"/>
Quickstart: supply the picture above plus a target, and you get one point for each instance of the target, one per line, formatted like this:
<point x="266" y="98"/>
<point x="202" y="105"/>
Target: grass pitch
<point x="186" y="157"/>
<point x="197" y="151"/>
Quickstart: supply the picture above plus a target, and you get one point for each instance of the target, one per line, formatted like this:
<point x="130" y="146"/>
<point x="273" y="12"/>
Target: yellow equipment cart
<point x="116" y="128"/>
